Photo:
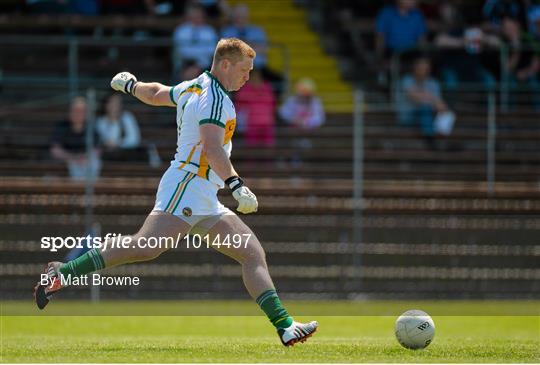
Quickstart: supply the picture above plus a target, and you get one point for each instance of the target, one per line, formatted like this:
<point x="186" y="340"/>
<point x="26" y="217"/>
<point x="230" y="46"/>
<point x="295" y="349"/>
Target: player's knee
<point x="255" y="255"/>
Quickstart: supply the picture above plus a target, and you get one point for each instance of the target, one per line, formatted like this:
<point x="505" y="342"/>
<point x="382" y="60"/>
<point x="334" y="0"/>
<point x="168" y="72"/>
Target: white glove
<point x="247" y="201"/>
<point x="124" y="82"/>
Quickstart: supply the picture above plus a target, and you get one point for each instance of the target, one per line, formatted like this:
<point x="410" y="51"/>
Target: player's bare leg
<point x="257" y="279"/>
<point x="157" y="224"/>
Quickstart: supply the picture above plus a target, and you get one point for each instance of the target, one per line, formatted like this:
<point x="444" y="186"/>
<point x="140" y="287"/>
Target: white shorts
<point x="191" y="198"/>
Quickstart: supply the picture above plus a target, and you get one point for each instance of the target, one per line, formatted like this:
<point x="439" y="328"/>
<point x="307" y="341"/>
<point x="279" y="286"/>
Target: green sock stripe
<point x="72" y="268"/>
<point x="84" y="264"/>
<point x="272" y="307"/>
<point x="97" y="260"/>
<point x="267" y="294"/>
<point x="100" y="259"/>
<point x="94" y="261"/>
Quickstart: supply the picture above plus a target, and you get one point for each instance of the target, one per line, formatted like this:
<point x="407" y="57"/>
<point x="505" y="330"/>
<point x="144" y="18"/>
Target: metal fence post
<point x="491" y="141"/>
<point x="395" y="71"/>
<point x="358" y="178"/>
<point x="504" y="76"/>
<point x="90" y="178"/>
<point x="73" y="67"/>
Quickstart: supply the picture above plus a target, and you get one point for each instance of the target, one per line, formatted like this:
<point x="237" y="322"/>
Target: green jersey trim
<point x="216" y="80"/>
<point x="212" y="121"/>
<point x="171" y="95"/>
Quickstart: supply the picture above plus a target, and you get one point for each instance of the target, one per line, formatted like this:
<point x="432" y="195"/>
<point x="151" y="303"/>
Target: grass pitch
<point x="225" y="338"/>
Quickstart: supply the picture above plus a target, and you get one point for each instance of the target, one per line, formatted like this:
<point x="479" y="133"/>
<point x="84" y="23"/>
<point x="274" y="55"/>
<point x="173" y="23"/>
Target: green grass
<point x="352" y="338"/>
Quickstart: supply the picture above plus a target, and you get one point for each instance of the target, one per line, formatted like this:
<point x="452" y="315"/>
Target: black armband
<point x="234" y="182"/>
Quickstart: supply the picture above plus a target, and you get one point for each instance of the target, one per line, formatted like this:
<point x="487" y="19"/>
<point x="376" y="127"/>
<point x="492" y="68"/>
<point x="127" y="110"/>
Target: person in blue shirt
<point x="398" y="28"/>
<point x="255" y="36"/>
<point x="420" y="100"/>
<point x="251" y="34"/>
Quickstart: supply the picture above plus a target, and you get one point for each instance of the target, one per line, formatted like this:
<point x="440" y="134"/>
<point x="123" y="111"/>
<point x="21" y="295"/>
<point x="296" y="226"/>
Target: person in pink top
<point x="255" y="108"/>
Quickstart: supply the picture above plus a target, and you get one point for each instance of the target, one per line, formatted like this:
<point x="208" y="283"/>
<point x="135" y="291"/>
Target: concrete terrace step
<point x="286" y="186"/>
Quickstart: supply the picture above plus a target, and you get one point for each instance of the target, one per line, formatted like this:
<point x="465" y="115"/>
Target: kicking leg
<point x="257" y="279"/>
<point x="157" y="224"/>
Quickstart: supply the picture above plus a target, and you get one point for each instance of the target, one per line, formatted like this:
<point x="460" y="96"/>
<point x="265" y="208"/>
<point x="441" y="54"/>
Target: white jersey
<point x="200" y="101"/>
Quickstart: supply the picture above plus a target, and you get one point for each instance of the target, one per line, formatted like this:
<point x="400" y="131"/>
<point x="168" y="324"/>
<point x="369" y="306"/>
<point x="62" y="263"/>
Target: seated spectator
<point x="119" y="133"/>
<point x="194" y="39"/>
<point x="117" y="128"/>
<point x="465" y="52"/>
<point x="533" y="14"/>
<point x="304" y="109"/>
<point x="68" y="143"/>
<point x="398" y="28"/>
<point x="421" y="101"/>
<point x="251" y="34"/>
<point x="495" y="11"/>
<point x="255" y="36"/>
<point x="255" y="109"/>
<point x="524" y="61"/>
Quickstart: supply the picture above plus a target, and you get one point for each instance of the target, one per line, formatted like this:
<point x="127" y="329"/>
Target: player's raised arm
<point x="212" y="142"/>
<point x="151" y="93"/>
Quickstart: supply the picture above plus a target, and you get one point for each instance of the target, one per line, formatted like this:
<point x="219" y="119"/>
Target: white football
<point x="415" y="329"/>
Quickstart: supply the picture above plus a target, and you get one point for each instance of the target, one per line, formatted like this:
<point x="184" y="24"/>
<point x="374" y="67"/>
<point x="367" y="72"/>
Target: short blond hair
<point x="233" y="49"/>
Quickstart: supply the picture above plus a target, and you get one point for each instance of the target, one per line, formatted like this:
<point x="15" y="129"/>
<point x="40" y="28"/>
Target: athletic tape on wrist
<point x="234" y="182"/>
<point x="130" y="86"/>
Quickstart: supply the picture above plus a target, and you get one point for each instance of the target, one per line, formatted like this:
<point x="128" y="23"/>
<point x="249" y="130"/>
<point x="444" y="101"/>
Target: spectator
<point x="117" y="128"/>
<point x="255" y="36"/>
<point x="524" y="61"/>
<point x="495" y="11"/>
<point x="194" y="39"/>
<point x="421" y="101"/>
<point x="119" y="133"/>
<point x="251" y="34"/>
<point x="304" y="109"/>
<point x="255" y="108"/>
<point x="533" y="13"/>
<point x="69" y="143"/>
<point x="399" y="27"/>
<point x="465" y="52"/>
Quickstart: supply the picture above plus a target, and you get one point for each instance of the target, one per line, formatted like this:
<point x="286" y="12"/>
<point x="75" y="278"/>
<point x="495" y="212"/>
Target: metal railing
<point x="503" y="86"/>
<point x="73" y="45"/>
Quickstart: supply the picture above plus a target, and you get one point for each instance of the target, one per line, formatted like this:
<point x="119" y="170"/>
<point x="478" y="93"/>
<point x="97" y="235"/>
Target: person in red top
<point x="255" y="104"/>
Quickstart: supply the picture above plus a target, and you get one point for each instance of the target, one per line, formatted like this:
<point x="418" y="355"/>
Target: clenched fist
<point x="124" y="82"/>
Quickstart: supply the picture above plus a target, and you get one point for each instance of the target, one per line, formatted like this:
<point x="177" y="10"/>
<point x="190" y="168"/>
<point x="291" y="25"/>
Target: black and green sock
<point x="271" y="305"/>
<point x="84" y="264"/>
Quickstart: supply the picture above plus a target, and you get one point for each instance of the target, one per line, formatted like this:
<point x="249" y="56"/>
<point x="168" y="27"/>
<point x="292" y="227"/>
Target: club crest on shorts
<point x="187" y="211"/>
